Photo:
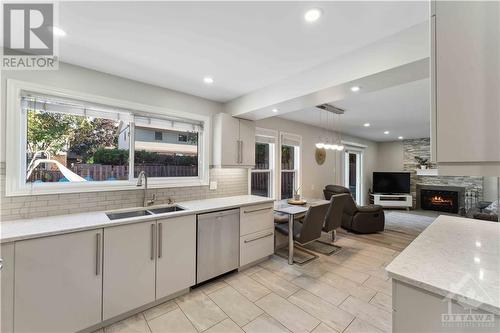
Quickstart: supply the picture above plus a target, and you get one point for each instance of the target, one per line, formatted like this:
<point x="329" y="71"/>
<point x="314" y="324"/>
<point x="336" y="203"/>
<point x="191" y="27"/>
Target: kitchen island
<point x="448" y="278"/>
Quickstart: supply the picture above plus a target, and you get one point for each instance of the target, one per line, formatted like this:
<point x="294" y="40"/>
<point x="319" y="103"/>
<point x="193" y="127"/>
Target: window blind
<point x="54" y="104"/>
<point x="174" y="124"/>
<point x="263" y="135"/>
<point x="288" y="139"/>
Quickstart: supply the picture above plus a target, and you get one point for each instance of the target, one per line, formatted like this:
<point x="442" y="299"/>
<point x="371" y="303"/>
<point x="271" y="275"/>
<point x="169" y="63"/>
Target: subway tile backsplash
<point x="229" y="182"/>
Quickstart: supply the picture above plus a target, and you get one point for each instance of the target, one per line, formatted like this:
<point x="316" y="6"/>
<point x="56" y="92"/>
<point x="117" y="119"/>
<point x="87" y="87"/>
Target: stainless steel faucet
<point x="146" y="201"/>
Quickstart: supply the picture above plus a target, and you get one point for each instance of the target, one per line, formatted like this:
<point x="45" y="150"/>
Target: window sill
<point x="56" y="188"/>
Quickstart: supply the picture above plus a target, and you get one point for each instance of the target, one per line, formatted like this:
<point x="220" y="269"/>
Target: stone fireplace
<point x="450" y="199"/>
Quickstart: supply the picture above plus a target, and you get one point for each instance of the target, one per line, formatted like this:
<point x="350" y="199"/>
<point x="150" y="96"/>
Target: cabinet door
<point x="7" y="288"/>
<point x="247" y="138"/>
<point x="129" y="267"/>
<point x="467" y="81"/>
<point x="256" y="246"/>
<point x="58" y="282"/>
<point x="229" y="128"/>
<point x="176" y="262"/>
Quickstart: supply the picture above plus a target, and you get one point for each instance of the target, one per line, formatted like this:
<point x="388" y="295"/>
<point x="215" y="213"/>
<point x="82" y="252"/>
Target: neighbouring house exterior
<point x="161" y="141"/>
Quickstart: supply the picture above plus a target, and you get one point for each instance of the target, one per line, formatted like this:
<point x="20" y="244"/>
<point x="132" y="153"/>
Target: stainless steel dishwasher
<point x="218" y="243"/>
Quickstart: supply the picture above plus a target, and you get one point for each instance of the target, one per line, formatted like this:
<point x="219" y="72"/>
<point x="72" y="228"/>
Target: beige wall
<point x="314" y="176"/>
<point x="390" y="156"/>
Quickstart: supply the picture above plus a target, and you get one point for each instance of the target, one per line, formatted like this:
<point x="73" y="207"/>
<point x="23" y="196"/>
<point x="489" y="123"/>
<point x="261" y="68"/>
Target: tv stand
<point x="392" y="200"/>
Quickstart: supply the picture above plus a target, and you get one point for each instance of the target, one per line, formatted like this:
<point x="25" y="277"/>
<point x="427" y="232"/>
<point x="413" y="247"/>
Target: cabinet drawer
<point x="256" y="246"/>
<point x="256" y="218"/>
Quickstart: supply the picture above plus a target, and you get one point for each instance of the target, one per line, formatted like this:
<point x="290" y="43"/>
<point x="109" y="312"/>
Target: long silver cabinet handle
<point x="238" y="152"/>
<point x="241" y="152"/>
<point x="257" y="238"/>
<point x="256" y="210"/>
<point x="153" y="230"/>
<point x="1" y="264"/>
<point x="98" y="254"/>
<point x="160" y="237"/>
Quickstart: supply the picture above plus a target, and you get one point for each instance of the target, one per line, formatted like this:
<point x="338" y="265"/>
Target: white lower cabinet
<point x="256" y="233"/>
<point x="256" y="246"/>
<point x="129" y="267"/>
<point x="7" y="288"/>
<point x="58" y="282"/>
<point x="176" y="262"/>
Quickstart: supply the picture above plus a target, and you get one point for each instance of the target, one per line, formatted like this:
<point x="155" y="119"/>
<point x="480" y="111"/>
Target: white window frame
<point x="272" y="137"/>
<point x="270" y="171"/>
<point x="297" y="162"/>
<point x="16" y="140"/>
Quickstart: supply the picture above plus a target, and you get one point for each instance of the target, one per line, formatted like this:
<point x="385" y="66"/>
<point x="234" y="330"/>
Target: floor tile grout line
<point x="226" y="313"/>
<point x="352" y="321"/>
<point x="312" y="315"/>
<point x="207" y="327"/>
<point x="147" y="323"/>
<point x="192" y="324"/>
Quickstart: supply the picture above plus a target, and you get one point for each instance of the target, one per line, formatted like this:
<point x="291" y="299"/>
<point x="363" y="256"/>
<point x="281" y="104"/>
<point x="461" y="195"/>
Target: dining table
<point x="292" y="210"/>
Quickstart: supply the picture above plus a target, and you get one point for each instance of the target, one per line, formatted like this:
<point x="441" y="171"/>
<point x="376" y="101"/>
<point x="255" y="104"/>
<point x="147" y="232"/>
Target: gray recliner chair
<point x="360" y="219"/>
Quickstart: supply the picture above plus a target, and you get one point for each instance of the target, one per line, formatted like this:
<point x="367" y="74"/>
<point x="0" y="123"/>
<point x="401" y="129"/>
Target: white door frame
<point x="359" y="172"/>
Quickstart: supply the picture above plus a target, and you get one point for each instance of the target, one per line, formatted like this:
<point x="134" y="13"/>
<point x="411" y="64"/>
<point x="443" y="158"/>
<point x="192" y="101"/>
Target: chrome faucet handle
<point x="170" y="200"/>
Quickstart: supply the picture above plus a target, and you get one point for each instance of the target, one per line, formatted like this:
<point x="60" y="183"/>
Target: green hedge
<point x="120" y="157"/>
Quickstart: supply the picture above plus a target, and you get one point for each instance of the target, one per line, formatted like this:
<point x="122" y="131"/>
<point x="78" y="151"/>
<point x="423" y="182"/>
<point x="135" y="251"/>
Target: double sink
<point x="144" y="212"/>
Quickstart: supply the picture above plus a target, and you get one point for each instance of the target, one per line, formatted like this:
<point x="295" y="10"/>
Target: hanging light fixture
<point x="340" y="146"/>
<point x="320" y="144"/>
<point x="332" y="139"/>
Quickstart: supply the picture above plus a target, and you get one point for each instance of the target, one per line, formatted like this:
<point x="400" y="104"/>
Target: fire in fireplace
<point x="440" y="200"/>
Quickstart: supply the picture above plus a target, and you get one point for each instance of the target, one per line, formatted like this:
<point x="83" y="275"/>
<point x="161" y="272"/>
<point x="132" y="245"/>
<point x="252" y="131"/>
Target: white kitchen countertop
<point x="455" y="257"/>
<point x="52" y="225"/>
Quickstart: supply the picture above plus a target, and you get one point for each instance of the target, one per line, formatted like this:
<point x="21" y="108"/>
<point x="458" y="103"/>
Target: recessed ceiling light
<point x="208" y="80"/>
<point x="400" y="138"/>
<point x="312" y="15"/>
<point x="274" y="110"/>
<point x="355" y="88"/>
<point x="58" y="31"/>
<point x="366" y="124"/>
<point x="386" y="132"/>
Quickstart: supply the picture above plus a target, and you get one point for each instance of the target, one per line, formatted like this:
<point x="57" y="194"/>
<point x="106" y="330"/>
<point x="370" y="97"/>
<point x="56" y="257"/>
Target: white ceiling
<point x="403" y="110"/>
<point x="243" y="45"/>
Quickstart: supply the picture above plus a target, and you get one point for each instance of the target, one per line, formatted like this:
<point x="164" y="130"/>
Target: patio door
<point x="353" y="173"/>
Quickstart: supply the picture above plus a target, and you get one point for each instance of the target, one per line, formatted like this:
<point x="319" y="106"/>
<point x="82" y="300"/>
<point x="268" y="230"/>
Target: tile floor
<point x="347" y="292"/>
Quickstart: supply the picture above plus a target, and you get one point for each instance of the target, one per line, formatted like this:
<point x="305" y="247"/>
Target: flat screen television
<point x="391" y="182"/>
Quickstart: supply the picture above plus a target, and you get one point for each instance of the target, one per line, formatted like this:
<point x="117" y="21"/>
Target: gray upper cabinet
<point x="233" y="142"/>
<point x="465" y="56"/>
<point x="58" y="282"/>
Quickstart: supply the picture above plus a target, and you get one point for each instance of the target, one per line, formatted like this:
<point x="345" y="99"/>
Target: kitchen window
<point x="73" y="145"/>
<point x="262" y="175"/>
<point x="290" y="165"/>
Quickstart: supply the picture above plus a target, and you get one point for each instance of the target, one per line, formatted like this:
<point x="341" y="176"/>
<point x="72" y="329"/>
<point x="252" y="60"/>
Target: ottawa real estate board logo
<point x="28" y="37"/>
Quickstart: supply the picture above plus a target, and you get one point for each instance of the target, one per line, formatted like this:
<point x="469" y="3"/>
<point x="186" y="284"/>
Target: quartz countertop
<point x="17" y="230"/>
<point x="457" y="258"/>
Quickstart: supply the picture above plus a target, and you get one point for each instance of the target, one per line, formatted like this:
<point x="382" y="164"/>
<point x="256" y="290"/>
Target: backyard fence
<point x="100" y="172"/>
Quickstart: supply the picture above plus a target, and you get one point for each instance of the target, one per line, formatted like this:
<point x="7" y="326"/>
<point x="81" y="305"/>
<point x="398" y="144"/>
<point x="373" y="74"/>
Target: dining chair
<point x="306" y="231"/>
<point x="333" y="221"/>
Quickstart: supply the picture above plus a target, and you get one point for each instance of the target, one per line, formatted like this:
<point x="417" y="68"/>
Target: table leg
<point x="290" y="239"/>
